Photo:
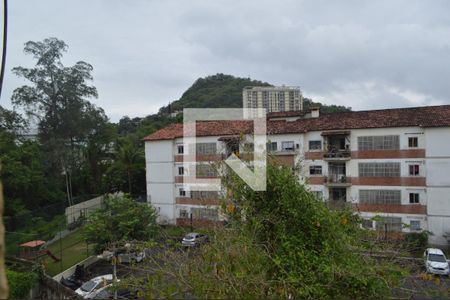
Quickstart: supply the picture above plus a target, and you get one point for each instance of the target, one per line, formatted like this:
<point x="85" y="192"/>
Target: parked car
<point x="89" y="289"/>
<point x="76" y="279"/>
<point x="194" y="239"/>
<point x="436" y="262"/>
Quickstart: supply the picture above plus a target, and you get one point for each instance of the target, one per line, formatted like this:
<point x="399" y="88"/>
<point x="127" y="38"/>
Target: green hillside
<point x="222" y="90"/>
<point x="213" y="91"/>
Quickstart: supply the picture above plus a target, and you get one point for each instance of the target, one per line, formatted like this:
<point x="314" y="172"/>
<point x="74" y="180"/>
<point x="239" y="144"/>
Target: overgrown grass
<point x="37" y="229"/>
<point x="73" y="249"/>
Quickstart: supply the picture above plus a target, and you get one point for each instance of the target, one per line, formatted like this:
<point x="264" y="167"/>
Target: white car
<point x="89" y="289"/>
<point x="436" y="262"/>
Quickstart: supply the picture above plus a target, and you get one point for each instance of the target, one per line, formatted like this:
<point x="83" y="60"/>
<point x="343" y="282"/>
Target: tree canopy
<point x="121" y="219"/>
<point x="279" y="243"/>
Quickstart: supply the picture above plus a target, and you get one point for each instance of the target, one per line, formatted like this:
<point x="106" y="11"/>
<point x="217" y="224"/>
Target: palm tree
<point x="128" y="159"/>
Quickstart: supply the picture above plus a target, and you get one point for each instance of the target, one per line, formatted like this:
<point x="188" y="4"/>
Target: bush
<point x="20" y="283"/>
<point x="312" y="247"/>
<point x="121" y="219"/>
<point x="280" y="243"/>
<point x="416" y="241"/>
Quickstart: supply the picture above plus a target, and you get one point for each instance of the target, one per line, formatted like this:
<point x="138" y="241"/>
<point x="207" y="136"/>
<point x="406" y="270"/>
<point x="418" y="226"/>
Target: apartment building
<point x="391" y="163"/>
<point x="273" y="99"/>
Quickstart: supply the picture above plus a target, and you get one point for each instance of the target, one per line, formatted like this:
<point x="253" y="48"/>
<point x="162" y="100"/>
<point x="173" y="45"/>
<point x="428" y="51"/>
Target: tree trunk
<point x="129" y="181"/>
<point x="3" y="283"/>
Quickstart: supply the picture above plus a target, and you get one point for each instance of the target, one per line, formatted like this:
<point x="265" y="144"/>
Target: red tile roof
<point x="428" y="116"/>
<point x="32" y="244"/>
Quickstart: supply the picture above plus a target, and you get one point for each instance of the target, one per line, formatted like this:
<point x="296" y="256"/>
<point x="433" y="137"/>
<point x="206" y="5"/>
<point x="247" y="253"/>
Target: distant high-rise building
<point x="272" y="99"/>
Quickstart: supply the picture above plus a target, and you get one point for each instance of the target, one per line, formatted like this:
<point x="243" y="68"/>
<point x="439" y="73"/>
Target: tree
<point x="121" y="219"/>
<point x="68" y="122"/>
<point x="128" y="168"/>
<point x="279" y="243"/>
<point x="56" y="91"/>
<point x="307" y="103"/>
<point x="11" y="121"/>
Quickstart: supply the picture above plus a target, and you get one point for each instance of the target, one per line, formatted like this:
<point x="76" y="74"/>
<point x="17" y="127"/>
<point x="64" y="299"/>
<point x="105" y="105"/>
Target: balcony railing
<point x="337" y="155"/>
<point x="337" y="180"/>
<point x="337" y="204"/>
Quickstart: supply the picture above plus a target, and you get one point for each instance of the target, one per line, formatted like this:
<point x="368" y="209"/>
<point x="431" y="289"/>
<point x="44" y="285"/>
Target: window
<point x="413" y="170"/>
<point x="391" y="169"/>
<point x="180" y="149"/>
<point x="287" y="146"/>
<point x="414" y="225"/>
<point x="181" y="171"/>
<point x="248" y="147"/>
<point x="389" y="224"/>
<point x="384" y="142"/>
<point x="265" y="97"/>
<point x="315" y="170"/>
<point x="206" y="148"/>
<point x="291" y="101"/>
<point x="281" y="104"/>
<point x="205" y="171"/>
<point x="205" y="213"/>
<point x="414" y="198"/>
<point x="379" y="196"/>
<point x="367" y="223"/>
<point x="318" y="194"/>
<point x="315" y="145"/>
<point x="272" y="147"/>
<point x="182" y="192"/>
<point x="413" y="142"/>
<point x="183" y="213"/>
<point x="204" y="195"/>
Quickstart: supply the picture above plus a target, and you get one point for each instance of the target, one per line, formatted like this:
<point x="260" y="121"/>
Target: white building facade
<point x="272" y="99"/>
<point x="394" y="164"/>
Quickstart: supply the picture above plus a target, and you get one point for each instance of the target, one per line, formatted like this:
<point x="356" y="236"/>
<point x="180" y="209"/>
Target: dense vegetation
<point x="218" y="90"/>
<point x="121" y="219"/>
<point x="79" y="153"/>
<point x="222" y="90"/>
<point x="20" y="283"/>
<point x="280" y="243"/>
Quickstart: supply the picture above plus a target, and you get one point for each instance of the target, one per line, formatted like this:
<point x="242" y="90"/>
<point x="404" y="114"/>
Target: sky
<point x="146" y="53"/>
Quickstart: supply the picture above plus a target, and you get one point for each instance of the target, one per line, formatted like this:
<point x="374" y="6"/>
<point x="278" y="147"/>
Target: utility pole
<point x="3" y="282"/>
<point x="60" y="252"/>
<point x="114" y="263"/>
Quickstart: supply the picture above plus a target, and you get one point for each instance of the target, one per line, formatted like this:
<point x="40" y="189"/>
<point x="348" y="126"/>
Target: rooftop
<point x="426" y="116"/>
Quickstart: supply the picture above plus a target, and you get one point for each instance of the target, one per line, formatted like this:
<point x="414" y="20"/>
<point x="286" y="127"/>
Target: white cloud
<point x="364" y="54"/>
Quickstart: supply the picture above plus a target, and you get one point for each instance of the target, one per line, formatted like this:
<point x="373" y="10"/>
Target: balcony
<point x="337" y="155"/>
<point x="336" y="145"/>
<point x="337" y="204"/>
<point x="337" y="180"/>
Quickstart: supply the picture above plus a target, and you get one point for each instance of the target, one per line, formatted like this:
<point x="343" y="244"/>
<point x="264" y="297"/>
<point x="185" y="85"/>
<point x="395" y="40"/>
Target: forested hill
<point x="222" y="90"/>
<point x="213" y="91"/>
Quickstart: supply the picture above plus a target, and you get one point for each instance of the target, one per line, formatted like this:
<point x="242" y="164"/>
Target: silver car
<point x="90" y="288"/>
<point x="194" y="239"/>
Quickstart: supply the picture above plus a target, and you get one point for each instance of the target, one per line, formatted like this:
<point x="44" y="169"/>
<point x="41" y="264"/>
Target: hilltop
<point x="223" y="90"/>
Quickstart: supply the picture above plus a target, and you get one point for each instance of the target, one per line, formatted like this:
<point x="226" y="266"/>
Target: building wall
<point x="159" y="159"/>
<point x="252" y="97"/>
<point x="432" y="184"/>
<point x="438" y="182"/>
